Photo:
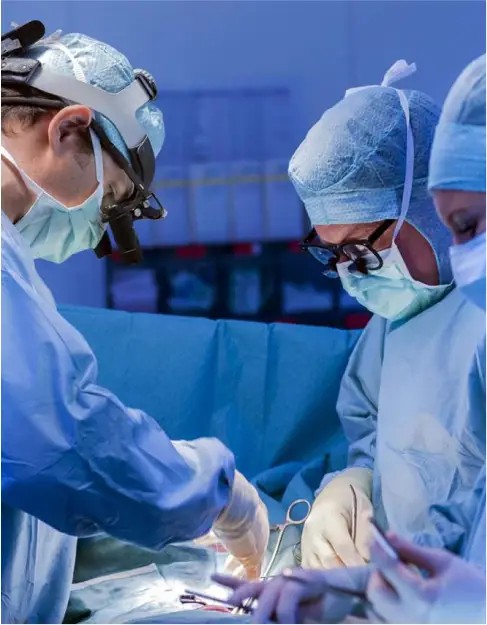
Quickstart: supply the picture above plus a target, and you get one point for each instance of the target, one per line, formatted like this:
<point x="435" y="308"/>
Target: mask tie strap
<point x="32" y="184"/>
<point x="397" y="72"/>
<point x="97" y="152"/>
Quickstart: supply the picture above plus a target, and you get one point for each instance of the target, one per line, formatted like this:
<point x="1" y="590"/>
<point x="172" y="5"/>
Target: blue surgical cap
<point x="350" y="167"/>
<point x="458" y="152"/>
<point x="101" y="65"/>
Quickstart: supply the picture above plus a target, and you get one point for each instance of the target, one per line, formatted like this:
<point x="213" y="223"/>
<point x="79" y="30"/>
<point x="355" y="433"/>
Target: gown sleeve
<point x="78" y="459"/>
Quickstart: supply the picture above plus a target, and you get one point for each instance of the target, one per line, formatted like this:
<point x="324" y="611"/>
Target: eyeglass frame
<point x="336" y="249"/>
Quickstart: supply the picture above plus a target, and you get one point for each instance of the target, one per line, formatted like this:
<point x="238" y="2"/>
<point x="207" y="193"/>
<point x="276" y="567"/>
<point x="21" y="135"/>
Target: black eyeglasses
<point x="360" y="251"/>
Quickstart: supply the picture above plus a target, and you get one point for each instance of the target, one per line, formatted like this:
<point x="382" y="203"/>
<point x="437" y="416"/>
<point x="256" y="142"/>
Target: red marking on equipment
<point x="294" y="247"/>
<point x="356" y="321"/>
<point x="191" y="251"/>
<point x="243" y="249"/>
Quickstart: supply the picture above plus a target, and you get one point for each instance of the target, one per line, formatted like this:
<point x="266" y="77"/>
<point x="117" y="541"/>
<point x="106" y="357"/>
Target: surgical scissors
<point x="282" y="527"/>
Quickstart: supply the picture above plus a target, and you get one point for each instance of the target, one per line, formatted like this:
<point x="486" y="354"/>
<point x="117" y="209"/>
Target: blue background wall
<point x="317" y="49"/>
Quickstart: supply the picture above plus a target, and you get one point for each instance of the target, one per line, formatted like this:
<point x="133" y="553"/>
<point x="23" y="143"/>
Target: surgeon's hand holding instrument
<point x="243" y="527"/>
<point x="338" y="528"/>
<point x="424" y="585"/>
<point x="292" y="519"/>
<point x="299" y="595"/>
<point x="206" y="601"/>
<point x="380" y="539"/>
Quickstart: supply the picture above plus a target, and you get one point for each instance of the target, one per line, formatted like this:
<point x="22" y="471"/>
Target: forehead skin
<point x="340" y="233"/>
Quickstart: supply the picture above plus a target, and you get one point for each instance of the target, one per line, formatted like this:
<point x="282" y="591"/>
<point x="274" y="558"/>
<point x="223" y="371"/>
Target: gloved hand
<point x="453" y="592"/>
<point x="243" y="527"/>
<point x="282" y="599"/>
<point x="337" y="531"/>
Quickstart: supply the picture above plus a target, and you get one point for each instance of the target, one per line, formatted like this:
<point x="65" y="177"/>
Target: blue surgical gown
<point x="475" y="547"/>
<point x="412" y="406"/>
<point x="75" y="460"/>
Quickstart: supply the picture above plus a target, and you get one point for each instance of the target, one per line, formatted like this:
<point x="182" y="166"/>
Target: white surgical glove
<point x="337" y="531"/>
<point x="243" y="527"/>
<point x="453" y="591"/>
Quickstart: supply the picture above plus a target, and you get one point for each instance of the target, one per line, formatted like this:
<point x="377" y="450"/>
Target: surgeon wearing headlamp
<point x="79" y="137"/>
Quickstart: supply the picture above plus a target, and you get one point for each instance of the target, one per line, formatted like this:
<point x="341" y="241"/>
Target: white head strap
<point x="398" y="71"/>
<point x="401" y="69"/>
<point x="77" y="69"/>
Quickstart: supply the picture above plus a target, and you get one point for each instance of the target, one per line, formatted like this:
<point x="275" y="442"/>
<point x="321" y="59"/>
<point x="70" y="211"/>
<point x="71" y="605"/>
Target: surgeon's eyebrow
<point x="358" y="231"/>
<point x="362" y="232"/>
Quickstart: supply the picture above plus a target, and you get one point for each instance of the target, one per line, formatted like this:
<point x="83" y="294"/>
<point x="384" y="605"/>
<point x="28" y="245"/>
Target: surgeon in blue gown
<point x="75" y="460"/>
<point x="453" y="590"/>
<point x="458" y="184"/>
<point x="416" y="446"/>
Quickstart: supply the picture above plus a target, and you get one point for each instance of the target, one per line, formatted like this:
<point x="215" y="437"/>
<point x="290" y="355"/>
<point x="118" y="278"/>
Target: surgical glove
<point x="243" y="527"/>
<point x="337" y="531"/>
<point x="452" y="592"/>
<point x="305" y="598"/>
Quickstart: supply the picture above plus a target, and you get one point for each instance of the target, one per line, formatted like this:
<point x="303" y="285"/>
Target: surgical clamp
<point x="281" y="529"/>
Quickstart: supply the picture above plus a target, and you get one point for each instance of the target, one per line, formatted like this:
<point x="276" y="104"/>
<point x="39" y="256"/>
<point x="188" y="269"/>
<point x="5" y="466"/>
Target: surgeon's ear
<point x="64" y="128"/>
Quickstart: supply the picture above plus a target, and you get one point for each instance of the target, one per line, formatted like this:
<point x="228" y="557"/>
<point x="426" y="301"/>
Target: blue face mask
<point x="54" y="231"/>
<point x="390" y="292"/>
<point x="468" y="265"/>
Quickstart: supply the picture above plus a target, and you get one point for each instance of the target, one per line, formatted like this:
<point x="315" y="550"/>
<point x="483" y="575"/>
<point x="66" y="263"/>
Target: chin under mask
<point x="390" y="292"/>
<point x="54" y="231"/>
<point x="468" y="265"/>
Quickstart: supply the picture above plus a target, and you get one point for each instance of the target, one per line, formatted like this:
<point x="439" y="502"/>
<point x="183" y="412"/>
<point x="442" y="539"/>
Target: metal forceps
<point x="282" y="527"/>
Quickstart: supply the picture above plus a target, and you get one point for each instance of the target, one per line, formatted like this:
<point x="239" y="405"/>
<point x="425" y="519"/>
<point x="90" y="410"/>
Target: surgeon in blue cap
<point x="457" y="178"/>
<point x="79" y="136"/>
<point x="454" y="589"/>
<point x="416" y="448"/>
<point x="451" y="589"/>
<point x="458" y="183"/>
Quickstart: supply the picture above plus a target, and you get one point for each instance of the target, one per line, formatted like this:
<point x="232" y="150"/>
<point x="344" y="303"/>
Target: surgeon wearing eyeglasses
<point x="415" y="447"/>
<point x="444" y="588"/>
<point x="453" y="591"/>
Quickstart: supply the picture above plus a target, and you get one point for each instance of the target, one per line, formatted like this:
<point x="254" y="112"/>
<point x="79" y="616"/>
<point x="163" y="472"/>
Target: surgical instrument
<point x="354" y="514"/>
<point x="192" y="596"/>
<point x="357" y="594"/>
<point x="281" y="529"/>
